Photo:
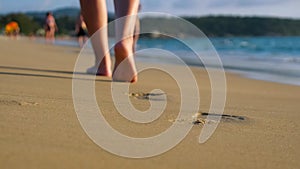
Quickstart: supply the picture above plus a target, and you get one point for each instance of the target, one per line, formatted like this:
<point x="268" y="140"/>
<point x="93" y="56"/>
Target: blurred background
<point x="214" y="17"/>
<point x="257" y="38"/>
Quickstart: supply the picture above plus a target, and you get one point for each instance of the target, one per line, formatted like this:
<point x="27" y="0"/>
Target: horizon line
<point x="183" y="15"/>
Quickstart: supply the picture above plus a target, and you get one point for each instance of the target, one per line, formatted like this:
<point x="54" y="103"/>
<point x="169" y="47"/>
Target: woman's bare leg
<point x="124" y="69"/>
<point x="95" y="15"/>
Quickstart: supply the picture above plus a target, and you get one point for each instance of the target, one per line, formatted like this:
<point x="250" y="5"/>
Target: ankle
<point x="123" y="50"/>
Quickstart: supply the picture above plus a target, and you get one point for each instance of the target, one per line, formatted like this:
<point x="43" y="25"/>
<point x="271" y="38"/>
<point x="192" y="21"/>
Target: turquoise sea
<point x="275" y="59"/>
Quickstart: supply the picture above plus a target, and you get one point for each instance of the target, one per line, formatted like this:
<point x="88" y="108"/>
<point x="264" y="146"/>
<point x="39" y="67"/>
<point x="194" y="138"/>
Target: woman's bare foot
<point x="104" y="69"/>
<point x="125" y="70"/>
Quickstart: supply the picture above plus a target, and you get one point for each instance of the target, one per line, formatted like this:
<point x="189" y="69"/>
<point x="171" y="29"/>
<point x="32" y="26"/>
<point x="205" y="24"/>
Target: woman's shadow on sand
<point x="47" y="75"/>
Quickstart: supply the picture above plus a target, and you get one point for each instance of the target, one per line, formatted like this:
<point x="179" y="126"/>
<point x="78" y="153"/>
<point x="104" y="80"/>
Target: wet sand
<point x="39" y="127"/>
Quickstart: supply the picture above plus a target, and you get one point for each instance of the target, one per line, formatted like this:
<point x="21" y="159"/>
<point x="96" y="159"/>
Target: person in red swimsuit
<point x="50" y="27"/>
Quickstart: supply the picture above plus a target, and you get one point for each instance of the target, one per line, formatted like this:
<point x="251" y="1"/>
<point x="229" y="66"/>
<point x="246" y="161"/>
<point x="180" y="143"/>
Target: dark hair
<point x="48" y="13"/>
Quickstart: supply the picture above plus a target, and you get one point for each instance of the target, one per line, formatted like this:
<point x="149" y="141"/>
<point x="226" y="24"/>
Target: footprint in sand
<point x="145" y="96"/>
<point x="198" y="118"/>
<point x="14" y="103"/>
<point x="23" y="103"/>
<point x="226" y="117"/>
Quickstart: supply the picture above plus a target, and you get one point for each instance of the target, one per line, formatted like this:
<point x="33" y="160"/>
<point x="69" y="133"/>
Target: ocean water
<point x="275" y="59"/>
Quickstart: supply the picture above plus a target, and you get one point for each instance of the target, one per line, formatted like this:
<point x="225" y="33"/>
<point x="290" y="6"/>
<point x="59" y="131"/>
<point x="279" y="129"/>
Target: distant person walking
<point x="50" y="28"/>
<point x="81" y="31"/>
<point x="12" y="29"/>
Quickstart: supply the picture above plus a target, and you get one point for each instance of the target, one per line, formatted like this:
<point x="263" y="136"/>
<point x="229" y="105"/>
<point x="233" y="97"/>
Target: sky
<point x="277" y="8"/>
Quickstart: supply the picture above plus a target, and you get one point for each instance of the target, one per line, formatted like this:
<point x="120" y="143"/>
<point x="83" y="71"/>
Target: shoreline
<point x="257" y="73"/>
<point x="253" y="74"/>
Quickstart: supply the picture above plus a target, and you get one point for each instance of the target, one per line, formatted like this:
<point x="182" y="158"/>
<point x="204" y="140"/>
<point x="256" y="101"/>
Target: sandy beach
<point x="39" y="127"/>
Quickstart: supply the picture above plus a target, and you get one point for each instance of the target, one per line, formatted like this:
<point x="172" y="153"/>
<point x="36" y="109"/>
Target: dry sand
<point x="39" y="127"/>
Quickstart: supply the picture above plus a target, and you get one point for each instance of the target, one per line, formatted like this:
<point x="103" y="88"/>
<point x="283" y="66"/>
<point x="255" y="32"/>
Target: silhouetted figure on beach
<point x="81" y="30"/>
<point x="12" y="30"/>
<point x="50" y="27"/>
